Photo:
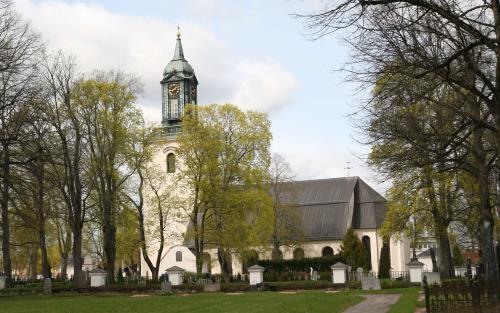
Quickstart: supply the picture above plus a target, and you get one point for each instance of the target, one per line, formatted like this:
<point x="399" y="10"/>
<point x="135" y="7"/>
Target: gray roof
<point x="331" y="206"/>
<point x="427" y="253"/>
<point x="175" y="269"/>
<point x="339" y="265"/>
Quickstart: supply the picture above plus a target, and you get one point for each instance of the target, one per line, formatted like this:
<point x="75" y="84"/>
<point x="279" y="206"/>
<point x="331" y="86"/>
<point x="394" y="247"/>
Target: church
<point x="327" y="207"/>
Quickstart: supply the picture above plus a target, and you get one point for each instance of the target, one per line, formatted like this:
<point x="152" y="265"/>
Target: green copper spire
<point x="179" y="88"/>
<point x="178" y="54"/>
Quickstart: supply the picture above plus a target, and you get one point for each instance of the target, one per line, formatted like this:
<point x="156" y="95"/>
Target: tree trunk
<point x="109" y="237"/>
<point x="7" y="265"/>
<point x="77" y="253"/>
<point x="225" y="261"/>
<point x="43" y="248"/>
<point x="445" y="261"/>
<point x="33" y="271"/>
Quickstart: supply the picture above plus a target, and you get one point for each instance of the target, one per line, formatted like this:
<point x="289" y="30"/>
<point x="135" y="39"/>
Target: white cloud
<point x="264" y="86"/>
<point x="143" y="46"/>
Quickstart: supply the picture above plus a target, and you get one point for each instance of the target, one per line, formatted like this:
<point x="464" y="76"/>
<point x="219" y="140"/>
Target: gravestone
<point x="212" y="287"/>
<point x="82" y="281"/>
<point x="433" y="278"/>
<point x="165" y="287"/>
<point x="47" y="286"/>
<point x="314" y="276"/>
<point x="3" y="282"/>
<point x="370" y="283"/>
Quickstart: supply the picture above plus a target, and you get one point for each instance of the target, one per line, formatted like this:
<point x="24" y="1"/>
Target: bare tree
<point x="420" y="40"/>
<point x="287" y="224"/>
<point x="19" y="55"/>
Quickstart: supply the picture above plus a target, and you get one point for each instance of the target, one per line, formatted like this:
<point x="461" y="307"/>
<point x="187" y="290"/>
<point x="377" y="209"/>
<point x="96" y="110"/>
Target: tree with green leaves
<point x="110" y="117"/>
<point x="225" y="154"/>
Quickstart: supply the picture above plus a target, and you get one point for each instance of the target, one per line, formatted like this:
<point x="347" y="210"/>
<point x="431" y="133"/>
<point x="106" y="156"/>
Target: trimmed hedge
<point x="321" y="264"/>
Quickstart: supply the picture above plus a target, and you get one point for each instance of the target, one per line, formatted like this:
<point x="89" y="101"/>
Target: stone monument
<point x="97" y="277"/>
<point x="47" y="286"/>
<point x="165" y="287"/>
<point x="256" y="274"/>
<point x="370" y="283"/>
<point x="339" y="271"/>
<point x="175" y="275"/>
<point x="3" y="282"/>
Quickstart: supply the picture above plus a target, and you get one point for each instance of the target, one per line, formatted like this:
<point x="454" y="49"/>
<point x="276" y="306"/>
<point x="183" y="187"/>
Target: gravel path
<point x="374" y="304"/>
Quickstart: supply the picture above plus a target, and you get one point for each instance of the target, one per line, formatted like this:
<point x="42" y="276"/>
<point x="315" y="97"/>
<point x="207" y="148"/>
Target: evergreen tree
<point x="384" y="266"/>
<point x="354" y="252"/>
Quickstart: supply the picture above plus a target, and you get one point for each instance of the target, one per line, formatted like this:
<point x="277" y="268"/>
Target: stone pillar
<point x="3" y="282"/>
<point x="339" y="273"/>
<point x="175" y="275"/>
<point x="415" y="268"/>
<point x="256" y="274"/>
<point x="47" y="286"/>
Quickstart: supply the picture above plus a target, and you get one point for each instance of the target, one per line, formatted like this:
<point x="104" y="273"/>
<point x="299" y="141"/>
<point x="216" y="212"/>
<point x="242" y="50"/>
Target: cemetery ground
<point x="252" y="302"/>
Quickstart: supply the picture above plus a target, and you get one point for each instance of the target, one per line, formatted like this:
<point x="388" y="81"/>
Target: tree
<point x="110" y="116"/>
<point x="67" y="168"/>
<point x="153" y="200"/>
<point x="443" y="40"/>
<point x="384" y="266"/>
<point x="226" y="157"/>
<point x="287" y="227"/>
<point x="354" y="252"/>
<point x="19" y="54"/>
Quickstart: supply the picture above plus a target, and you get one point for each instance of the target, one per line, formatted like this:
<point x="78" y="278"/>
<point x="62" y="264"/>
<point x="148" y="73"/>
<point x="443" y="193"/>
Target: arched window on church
<point x="366" y="243"/>
<point x="178" y="256"/>
<point x="327" y="251"/>
<point x="170" y="163"/>
<point x="298" y="254"/>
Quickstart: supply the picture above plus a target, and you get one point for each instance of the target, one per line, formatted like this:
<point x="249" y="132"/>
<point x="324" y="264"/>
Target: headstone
<point x="256" y="274"/>
<point x="433" y="278"/>
<point x="370" y="283"/>
<point x="3" y="282"/>
<point x="82" y="280"/>
<point x="212" y="287"/>
<point x="314" y="275"/>
<point x="47" y="286"/>
<point x="97" y="277"/>
<point x="339" y="270"/>
<point x="359" y="273"/>
<point x="165" y="287"/>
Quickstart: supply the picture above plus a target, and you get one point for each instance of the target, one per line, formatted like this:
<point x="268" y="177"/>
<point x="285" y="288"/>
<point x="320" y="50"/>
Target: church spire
<point x="178" y="54"/>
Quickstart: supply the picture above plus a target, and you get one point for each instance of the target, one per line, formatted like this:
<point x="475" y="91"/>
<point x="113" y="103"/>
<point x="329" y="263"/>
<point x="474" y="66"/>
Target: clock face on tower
<point x="174" y="89"/>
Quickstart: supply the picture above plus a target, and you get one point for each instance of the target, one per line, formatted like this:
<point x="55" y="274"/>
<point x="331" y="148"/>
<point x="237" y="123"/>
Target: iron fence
<point x="474" y="297"/>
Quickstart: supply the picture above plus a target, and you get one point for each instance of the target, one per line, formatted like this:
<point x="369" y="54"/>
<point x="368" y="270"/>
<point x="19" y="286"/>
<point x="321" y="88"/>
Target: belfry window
<point x="170" y="163"/>
<point x="178" y="256"/>
<point x="174" y="108"/>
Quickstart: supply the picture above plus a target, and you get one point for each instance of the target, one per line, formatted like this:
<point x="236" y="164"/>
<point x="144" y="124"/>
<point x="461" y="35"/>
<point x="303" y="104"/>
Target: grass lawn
<point x="306" y="301"/>
<point x="406" y="303"/>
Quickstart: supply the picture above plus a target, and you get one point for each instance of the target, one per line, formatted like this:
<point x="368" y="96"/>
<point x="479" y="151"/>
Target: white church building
<point x="328" y="207"/>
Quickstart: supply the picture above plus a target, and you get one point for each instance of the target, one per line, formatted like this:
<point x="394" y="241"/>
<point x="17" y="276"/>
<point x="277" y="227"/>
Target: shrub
<point x="301" y="265"/>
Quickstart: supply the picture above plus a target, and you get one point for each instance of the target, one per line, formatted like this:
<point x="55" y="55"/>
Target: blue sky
<point x="250" y="53"/>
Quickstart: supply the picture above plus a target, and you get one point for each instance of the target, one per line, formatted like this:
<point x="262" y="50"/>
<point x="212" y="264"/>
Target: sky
<point x="253" y="54"/>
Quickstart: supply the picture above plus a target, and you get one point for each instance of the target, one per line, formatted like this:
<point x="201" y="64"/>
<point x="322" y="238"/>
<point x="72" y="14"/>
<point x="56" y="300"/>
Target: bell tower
<point x="179" y="88"/>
